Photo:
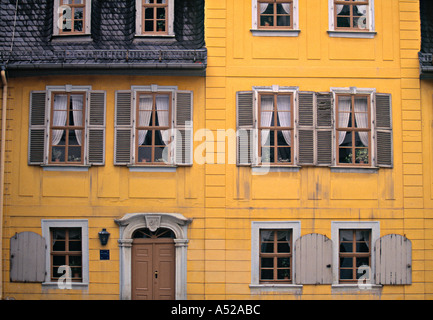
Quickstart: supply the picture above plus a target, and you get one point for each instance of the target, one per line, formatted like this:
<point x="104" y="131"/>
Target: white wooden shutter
<point x="245" y="128"/>
<point x="184" y="132"/>
<point x="96" y="128"/>
<point x="37" y="128"/>
<point x="123" y="140"/>
<point x="393" y="260"/>
<point x="313" y="259"/>
<point x="383" y="125"/>
<point x="306" y="128"/>
<point x="27" y="257"/>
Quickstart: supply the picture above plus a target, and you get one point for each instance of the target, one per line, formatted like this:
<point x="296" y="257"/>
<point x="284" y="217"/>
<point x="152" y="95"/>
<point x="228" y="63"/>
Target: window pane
<point x="284" y="155"/>
<point x="145" y="154"/>
<point x="59" y="260"/>
<point x="283" y="262"/>
<point x="346" y="274"/>
<point x="75" y="261"/>
<point x="148" y="25"/>
<point x="149" y="13"/>
<point x="267" y="274"/>
<point x="346" y="247"/>
<point x="346" y="235"/>
<point x="74" y="154"/>
<point x="283" y="247"/>
<point x="267" y="247"/>
<point x="283" y="274"/>
<point x="361" y="156"/>
<point x="59" y="245"/>
<point x="267" y="262"/>
<point x="159" y="155"/>
<point x="267" y="235"/>
<point x="346" y="262"/>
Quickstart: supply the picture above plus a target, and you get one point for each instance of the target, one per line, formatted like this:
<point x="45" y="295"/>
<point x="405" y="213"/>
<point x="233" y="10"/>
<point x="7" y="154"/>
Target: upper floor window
<point x="349" y="16"/>
<point x="67" y="126"/>
<point x="275" y="18"/>
<point x="72" y="17"/>
<point x="154" y="17"/>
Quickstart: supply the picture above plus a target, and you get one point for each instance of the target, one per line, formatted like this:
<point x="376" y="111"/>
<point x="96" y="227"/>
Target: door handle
<point x="156" y="274"/>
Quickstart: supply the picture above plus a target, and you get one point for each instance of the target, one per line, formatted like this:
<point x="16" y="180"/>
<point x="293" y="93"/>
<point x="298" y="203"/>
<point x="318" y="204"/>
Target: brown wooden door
<point x="153" y="269"/>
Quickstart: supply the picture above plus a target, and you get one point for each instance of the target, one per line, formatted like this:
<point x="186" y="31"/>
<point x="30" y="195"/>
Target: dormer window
<point x="154" y="17"/>
<point x="72" y="17"/>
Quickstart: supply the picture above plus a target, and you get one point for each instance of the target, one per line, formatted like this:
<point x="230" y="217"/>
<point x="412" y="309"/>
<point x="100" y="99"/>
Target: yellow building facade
<point x="226" y="213"/>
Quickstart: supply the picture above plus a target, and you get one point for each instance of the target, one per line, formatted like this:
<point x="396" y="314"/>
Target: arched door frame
<point x="134" y="221"/>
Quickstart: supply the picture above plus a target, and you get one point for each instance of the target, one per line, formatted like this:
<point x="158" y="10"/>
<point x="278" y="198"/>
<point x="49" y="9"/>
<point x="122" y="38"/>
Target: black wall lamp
<point x="103" y="236"/>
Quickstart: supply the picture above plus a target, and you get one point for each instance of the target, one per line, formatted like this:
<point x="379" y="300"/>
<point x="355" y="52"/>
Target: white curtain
<point x="284" y="114"/>
<point x="77" y="107"/>
<point x="59" y="118"/>
<point x="145" y="112"/>
<point x="264" y="6"/>
<point x="267" y="107"/>
<point x="339" y="8"/>
<point x="162" y="104"/>
<point x="344" y="107"/>
<point x="361" y="117"/>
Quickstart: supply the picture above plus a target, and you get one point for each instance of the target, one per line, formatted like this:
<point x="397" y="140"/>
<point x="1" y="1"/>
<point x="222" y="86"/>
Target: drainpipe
<point x="2" y="172"/>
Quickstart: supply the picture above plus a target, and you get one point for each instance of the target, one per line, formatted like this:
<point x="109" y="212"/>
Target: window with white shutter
<point x="67" y="126"/>
<point x="153" y="127"/>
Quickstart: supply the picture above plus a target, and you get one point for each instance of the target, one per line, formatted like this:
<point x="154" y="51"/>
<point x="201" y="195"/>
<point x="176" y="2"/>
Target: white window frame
<point x="87" y="20"/>
<point x="139" y="21"/>
<point x="47" y="225"/>
<point x="336" y="226"/>
<point x="335" y="33"/>
<point x="256" y="31"/>
<point x="361" y="91"/>
<point x="256" y="227"/>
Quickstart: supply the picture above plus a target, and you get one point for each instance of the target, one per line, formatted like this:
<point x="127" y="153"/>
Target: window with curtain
<point x="276" y="128"/>
<point x="67" y="127"/>
<point x="66" y="250"/>
<point x="154" y="16"/>
<point x="275" y="14"/>
<point x="354" y="253"/>
<point x="351" y="14"/>
<point x="353" y="129"/>
<point x="72" y="16"/>
<point x="276" y="256"/>
<point x="153" y="126"/>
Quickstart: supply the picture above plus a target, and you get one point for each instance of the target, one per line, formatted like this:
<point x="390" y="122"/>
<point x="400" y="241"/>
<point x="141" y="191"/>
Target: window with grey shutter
<point x="37" y="128"/>
<point x="384" y="141"/>
<point x="96" y="128"/>
<point x="393" y="260"/>
<point x="123" y="128"/>
<point x="313" y="259"/>
<point x="27" y="257"/>
<point x="315" y="129"/>
<point x="245" y="127"/>
<point x="184" y="128"/>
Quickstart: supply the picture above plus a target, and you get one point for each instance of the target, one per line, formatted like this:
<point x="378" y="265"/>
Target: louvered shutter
<point x="393" y="260"/>
<point x="306" y="128"/>
<point x="37" y="128"/>
<point x="123" y="143"/>
<point x="384" y="141"/>
<point x="313" y="259"/>
<point x="324" y="125"/>
<point x="245" y="128"/>
<point x="96" y="128"/>
<point x="184" y="132"/>
<point x="27" y="257"/>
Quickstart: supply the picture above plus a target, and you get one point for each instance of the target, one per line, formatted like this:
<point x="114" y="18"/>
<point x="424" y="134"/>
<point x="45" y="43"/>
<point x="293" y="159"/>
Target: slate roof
<point x="426" y="53"/>
<point x="112" y="45"/>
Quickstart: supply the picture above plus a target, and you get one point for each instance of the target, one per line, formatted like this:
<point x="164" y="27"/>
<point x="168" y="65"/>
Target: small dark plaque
<point x="104" y="254"/>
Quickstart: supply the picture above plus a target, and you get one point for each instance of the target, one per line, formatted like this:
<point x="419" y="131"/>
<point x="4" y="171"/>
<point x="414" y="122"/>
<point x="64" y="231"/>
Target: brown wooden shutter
<point x="393" y="260"/>
<point x="245" y="128"/>
<point x="313" y="259"/>
<point x="306" y="128"/>
<point x="324" y="124"/>
<point x="123" y="143"/>
<point x="184" y="128"/>
<point x="96" y="128"/>
<point x="37" y="128"/>
<point x="27" y="257"/>
<point x="384" y="141"/>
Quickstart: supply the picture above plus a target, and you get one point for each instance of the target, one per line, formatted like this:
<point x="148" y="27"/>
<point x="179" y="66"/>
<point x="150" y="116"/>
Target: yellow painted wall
<point x="224" y="199"/>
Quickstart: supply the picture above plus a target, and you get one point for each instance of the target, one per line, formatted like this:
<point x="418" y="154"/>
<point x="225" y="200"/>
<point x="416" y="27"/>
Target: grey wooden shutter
<point x="37" y="128"/>
<point x="27" y="257"/>
<point x="393" y="260"/>
<point x="123" y="143"/>
<point x="384" y="141"/>
<point x="184" y="128"/>
<point x="306" y="128"/>
<point x="324" y="123"/>
<point x="96" y="128"/>
<point x="313" y="259"/>
<point x="245" y="128"/>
